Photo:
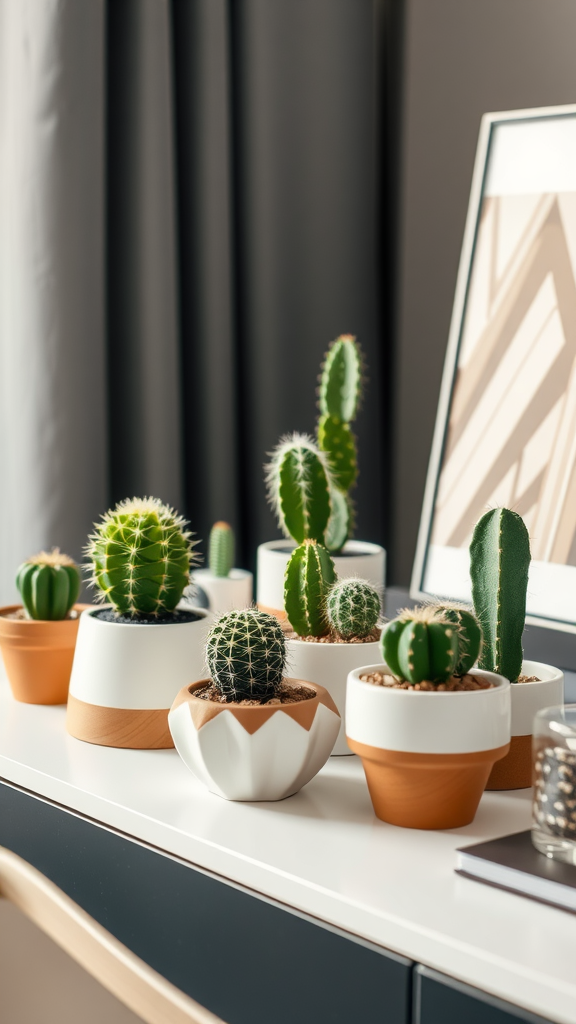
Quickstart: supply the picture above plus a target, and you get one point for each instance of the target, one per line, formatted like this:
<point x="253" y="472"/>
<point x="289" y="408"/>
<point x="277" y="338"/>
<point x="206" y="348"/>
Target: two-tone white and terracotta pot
<point x="357" y="558"/>
<point x="427" y="755"/>
<point x="225" y="593"/>
<point x="259" y="752"/>
<point x="125" y="677"/>
<point x="515" y="770"/>
<point x="328" y="665"/>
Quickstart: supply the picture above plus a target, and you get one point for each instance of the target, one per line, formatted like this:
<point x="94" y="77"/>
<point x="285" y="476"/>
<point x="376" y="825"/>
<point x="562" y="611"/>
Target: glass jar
<point x="554" y="765"/>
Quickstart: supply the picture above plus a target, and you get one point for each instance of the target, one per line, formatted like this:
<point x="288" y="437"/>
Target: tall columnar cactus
<point x="221" y="549"/>
<point x="141" y="556"/>
<point x="499" y="563"/>
<point x="353" y="608"/>
<point x="49" y="584"/>
<point x="421" y="645"/>
<point x="298" y="481"/>
<point x="309" y="574"/>
<point x="469" y="635"/>
<point x="246" y="655"/>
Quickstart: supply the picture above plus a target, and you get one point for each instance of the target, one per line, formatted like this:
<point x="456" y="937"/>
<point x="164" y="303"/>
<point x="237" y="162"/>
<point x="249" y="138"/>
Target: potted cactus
<point x="134" y="653"/>
<point x="247" y="731"/>
<point x="428" y="737"/>
<point x="499" y="564"/>
<point x="221" y="587"/>
<point x="37" y="638"/>
<point x="334" y="624"/>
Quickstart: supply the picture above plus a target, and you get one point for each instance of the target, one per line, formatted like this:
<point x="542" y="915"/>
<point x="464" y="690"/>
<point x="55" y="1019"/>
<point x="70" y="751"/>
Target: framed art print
<point x="506" y="427"/>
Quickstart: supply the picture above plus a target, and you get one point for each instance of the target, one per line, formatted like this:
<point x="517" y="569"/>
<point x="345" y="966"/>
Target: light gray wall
<point x="462" y="59"/>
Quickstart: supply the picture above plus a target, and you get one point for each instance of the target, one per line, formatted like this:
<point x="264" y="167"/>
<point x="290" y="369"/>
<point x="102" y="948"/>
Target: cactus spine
<point x="298" y="482"/>
<point x="309" y="573"/>
<point x="499" y="563"/>
<point x="141" y="557"/>
<point x="353" y="608"/>
<point x="421" y="645"/>
<point x="469" y="635"/>
<point x="221" y="549"/>
<point x="246" y="655"/>
<point x="49" y="584"/>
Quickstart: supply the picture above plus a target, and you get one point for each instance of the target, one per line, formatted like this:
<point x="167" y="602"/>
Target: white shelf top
<point x="322" y="852"/>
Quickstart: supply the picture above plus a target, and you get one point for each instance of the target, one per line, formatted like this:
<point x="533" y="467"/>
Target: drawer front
<point x="247" y="960"/>
<point x="439" y="999"/>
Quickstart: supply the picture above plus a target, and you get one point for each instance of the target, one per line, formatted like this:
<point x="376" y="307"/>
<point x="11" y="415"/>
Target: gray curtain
<point x="189" y="211"/>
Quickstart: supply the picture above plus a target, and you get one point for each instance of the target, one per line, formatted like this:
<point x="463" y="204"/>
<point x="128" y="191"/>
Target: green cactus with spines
<point x="336" y="438"/>
<point x="499" y="564"/>
<point x="341" y="380"/>
<point x="421" y="645"/>
<point x="221" y="549"/>
<point x="298" y="480"/>
<point x="469" y="634"/>
<point x="309" y="574"/>
<point x="141" y="555"/>
<point x="340" y="522"/>
<point x="246" y="655"/>
<point x="353" y="608"/>
<point x="49" y="584"/>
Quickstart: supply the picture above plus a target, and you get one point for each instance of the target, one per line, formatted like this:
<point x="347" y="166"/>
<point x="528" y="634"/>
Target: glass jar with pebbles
<point x="554" y="806"/>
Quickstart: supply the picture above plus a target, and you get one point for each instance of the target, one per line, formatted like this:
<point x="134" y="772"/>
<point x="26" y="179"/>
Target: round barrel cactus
<point x="353" y="608"/>
<point x="421" y="645"/>
<point x="246" y="655"/>
<point x="141" y="556"/>
<point x="221" y="549"/>
<point x="49" y="584"/>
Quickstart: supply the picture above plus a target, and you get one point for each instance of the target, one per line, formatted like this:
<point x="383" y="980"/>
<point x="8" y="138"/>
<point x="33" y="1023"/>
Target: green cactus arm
<point x="339" y="524"/>
<point x="389" y="646"/>
<point x="341" y="379"/>
<point x="499" y="565"/>
<point x="337" y="440"/>
<point x="309" y="573"/>
<point x="24" y="584"/>
<point x="299" y="488"/>
<point x="221" y="549"/>
<point x="74" y="584"/>
<point x="413" y="654"/>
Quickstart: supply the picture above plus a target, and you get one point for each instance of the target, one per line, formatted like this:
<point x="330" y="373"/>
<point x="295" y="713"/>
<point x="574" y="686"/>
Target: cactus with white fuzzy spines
<point x="141" y="554"/>
<point x="298" y="479"/>
<point x="353" y="608"/>
<point x="246" y="655"/>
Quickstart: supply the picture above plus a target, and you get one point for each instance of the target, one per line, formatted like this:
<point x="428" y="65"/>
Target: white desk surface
<point x="322" y="852"/>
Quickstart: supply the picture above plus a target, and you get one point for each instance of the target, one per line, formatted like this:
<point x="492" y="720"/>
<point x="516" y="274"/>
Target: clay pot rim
<point x="92" y="610"/>
<point x="7" y="609"/>
<point x="248" y="708"/>
<point x="501" y="683"/>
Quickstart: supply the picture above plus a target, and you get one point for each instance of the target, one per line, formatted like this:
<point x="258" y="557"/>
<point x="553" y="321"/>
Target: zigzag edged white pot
<point x="328" y="665"/>
<point x="225" y="593"/>
<point x="125" y="677"/>
<point x="359" y="558"/>
<point x="515" y="770"/>
<point x="263" y="752"/>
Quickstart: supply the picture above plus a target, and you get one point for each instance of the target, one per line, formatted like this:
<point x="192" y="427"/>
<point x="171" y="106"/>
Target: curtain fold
<point x="189" y="200"/>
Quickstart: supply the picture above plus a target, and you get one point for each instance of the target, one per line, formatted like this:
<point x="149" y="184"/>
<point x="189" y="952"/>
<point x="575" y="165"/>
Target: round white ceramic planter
<point x="515" y="770"/>
<point x="254" y="753"/>
<point x="359" y="558"/>
<point x="427" y="755"/>
<point x="125" y="677"/>
<point x="328" y="665"/>
<point x="225" y="593"/>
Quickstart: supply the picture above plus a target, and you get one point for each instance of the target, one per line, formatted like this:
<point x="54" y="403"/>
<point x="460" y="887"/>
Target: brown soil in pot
<point x="20" y="616"/>
<point x="457" y="684"/>
<point x="332" y="638"/>
<point x="287" y="694"/>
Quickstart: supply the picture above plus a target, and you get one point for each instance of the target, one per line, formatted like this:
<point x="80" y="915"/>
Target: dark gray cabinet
<point x="439" y="999"/>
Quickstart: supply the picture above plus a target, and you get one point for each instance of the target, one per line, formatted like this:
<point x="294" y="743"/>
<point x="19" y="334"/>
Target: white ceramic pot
<point x="225" y="593"/>
<point x="427" y="755"/>
<point x="358" y="558"/>
<point x="328" y="665"/>
<point x="125" y="677"/>
<point x="254" y="753"/>
<point x="515" y="770"/>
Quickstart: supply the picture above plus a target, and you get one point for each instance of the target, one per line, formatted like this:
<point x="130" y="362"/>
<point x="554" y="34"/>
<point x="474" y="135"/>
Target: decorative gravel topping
<point x="456" y="684"/>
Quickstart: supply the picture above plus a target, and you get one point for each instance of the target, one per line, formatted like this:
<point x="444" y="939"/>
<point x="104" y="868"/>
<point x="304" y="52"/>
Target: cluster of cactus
<point x="221" y="549"/>
<point x="431" y="644"/>
<point x="317" y="603"/>
<point x="141" y="554"/>
<point x="246" y="655"/>
<point x="499" y="563"/>
<point x="49" y="584"/>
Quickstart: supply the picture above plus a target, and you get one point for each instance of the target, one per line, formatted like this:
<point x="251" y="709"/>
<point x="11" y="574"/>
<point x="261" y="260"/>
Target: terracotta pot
<point x="427" y="755"/>
<point x="264" y="752"/>
<point x="515" y="770"/>
<point x="358" y="558"/>
<point x="126" y="675"/>
<point x="38" y="655"/>
<point x="225" y="593"/>
<point x="328" y="665"/>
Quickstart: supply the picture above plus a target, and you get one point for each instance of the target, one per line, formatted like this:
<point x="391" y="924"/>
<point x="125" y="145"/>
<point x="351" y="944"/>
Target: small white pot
<point x="515" y="770"/>
<point x="427" y="755"/>
<point x="254" y="753"/>
<point x="225" y="593"/>
<point x="328" y="665"/>
<point x="358" y="558"/>
<point x="125" y="677"/>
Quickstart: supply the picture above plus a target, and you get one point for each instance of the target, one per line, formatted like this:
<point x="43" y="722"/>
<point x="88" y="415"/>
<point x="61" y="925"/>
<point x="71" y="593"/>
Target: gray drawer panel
<point x="439" y="999"/>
